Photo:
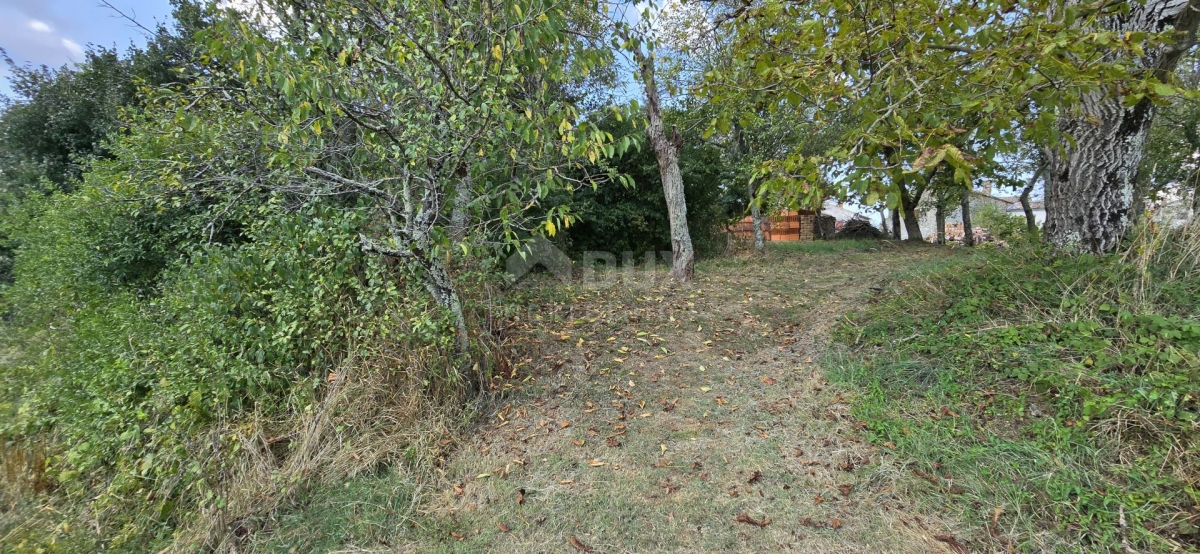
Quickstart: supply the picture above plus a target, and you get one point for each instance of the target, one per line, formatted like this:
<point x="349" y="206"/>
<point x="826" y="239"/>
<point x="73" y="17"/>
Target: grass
<point x="1031" y="410"/>
<point x="657" y="415"/>
<point x="828" y="246"/>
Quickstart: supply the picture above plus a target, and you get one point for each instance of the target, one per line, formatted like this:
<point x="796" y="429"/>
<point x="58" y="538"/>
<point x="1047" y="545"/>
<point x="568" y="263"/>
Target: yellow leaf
<point x="550" y="229"/>
<point x="498" y="53"/>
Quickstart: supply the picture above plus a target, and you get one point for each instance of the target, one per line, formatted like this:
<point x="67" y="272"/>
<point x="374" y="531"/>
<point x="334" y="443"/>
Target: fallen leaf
<point x="845" y="489"/>
<point x="458" y="536"/>
<point x="768" y="380"/>
<point x="755" y="477"/>
<point x="818" y="499"/>
<point x="577" y="442"/>
<point x="503" y="528"/>
<point x="996" y="512"/>
<point x="751" y="521"/>
<point x="597" y="463"/>
<point x="578" y="544"/>
<point x="835" y="523"/>
<point x="956" y="546"/>
<point x="458" y="490"/>
<point x="564" y="425"/>
<point x="520" y="496"/>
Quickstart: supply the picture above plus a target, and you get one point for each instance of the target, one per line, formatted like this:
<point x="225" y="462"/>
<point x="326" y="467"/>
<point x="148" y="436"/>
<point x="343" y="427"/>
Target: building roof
<point x="840" y="212"/>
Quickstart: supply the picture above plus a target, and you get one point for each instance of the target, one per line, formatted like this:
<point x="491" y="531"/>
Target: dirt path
<point x="668" y="418"/>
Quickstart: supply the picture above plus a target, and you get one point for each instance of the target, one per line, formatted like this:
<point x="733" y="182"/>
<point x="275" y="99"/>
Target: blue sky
<point x="56" y="32"/>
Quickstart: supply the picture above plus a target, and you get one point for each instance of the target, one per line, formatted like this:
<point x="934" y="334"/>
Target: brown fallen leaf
<point x="579" y="544"/>
<point x="503" y="528"/>
<point x="818" y="499"/>
<point x="458" y="490"/>
<point x="996" y="513"/>
<point x="576" y="442"/>
<point x="520" y="496"/>
<point x="564" y="425"/>
<point x="458" y="536"/>
<point x="845" y="489"/>
<point x="768" y="380"/>
<point x="755" y="477"/>
<point x="953" y="543"/>
<point x="835" y="523"/>
<point x="743" y="518"/>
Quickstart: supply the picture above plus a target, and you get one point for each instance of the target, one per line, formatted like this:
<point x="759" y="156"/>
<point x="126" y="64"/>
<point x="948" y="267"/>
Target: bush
<point x="1001" y="224"/>
<point x="145" y="396"/>
<point x="613" y="218"/>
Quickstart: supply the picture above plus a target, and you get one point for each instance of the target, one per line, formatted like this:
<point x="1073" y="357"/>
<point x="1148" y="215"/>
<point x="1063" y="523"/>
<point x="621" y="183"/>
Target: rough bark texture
<point x="666" y="150"/>
<point x="460" y="215"/>
<point x="1090" y="184"/>
<point x="968" y="229"/>
<point x="896" y="224"/>
<point x="883" y="218"/>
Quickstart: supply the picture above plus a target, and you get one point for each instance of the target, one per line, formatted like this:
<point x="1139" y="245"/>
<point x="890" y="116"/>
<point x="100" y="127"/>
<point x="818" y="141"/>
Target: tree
<point x="666" y="146"/>
<point x="447" y="120"/>
<point x="929" y="82"/>
<point x="1090" y="181"/>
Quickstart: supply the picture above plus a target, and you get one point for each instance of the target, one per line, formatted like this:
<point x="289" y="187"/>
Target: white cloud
<point x="74" y="48"/>
<point x="39" y="26"/>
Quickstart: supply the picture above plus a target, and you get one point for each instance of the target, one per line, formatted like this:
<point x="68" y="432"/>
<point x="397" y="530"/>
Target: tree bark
<point x="666" y="150"/>
<point x="460" y="214"/>
<point x="751" y="190"/>
<point x="1030" y="219"/>
<point x="896" y="223"/>
<point x="1090" y="184"/>
<point x="968" y="229"/>
<point x="756" y="218"/>
<point x="940" y="218"/>
<point x="883" y="218"/>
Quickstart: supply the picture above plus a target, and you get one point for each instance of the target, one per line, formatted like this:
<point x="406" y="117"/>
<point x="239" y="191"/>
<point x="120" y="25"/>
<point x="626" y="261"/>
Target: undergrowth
<point x="188" y="407"/>
<point x="1049" y="399"/>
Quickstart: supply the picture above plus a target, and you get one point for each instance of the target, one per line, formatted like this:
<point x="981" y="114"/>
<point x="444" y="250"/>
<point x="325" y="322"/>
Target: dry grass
<point x="377" y="416"/>
<point x="667" y="418"/>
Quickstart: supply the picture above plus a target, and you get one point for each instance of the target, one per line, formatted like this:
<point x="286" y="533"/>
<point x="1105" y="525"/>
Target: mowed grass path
<point x="651" y="416"/>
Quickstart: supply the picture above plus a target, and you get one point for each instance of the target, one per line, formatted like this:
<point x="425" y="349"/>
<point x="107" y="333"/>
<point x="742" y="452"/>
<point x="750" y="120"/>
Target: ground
<point x="664" y="417"/>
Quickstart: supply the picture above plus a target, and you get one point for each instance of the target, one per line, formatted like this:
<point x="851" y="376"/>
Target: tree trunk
<point x="1030" y="219"/>
<point x="666" y="150"/>
<point x="883" y="218"/>
<point x="940" y="218"/>
<point x="756" y="218"/>
<point x="912" y="225"/>
<point x="896" y="223"/>
<point x="968" y="229"/>
<point x="1090" y="184"/>
<point x="460" y="214"/>
<point x="751" y="190"/>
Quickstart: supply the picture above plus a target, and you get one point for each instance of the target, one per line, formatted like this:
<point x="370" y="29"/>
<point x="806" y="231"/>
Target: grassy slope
<point x="810" y="389"/>
<point x="1046" y="403"/>
<point x="652" y="416"/>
